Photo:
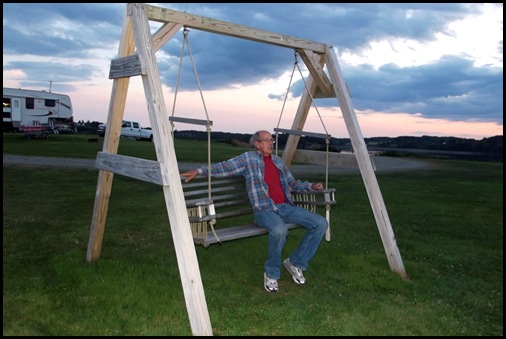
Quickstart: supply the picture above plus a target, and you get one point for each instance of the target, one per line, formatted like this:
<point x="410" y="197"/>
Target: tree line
<point x="486" y="149"/>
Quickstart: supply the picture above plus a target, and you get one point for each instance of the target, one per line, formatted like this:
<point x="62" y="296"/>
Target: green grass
<point x="448" y="223"/>
<point x="79" y="146"/>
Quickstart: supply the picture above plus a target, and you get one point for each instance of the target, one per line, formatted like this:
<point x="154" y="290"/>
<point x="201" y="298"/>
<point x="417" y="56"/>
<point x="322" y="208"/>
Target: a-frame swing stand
<point x="136" y="57"/>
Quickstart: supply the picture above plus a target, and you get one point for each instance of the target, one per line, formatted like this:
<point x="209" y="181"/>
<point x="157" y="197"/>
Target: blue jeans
<point x="274" y="221"/>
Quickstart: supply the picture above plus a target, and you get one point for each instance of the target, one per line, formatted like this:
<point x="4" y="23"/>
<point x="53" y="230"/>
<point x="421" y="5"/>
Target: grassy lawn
<point x="448" y="222"/>
<point x="80" y="146"/>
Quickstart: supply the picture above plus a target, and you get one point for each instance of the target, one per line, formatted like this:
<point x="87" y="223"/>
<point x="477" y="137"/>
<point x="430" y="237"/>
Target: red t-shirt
<point x="271" y="177"/>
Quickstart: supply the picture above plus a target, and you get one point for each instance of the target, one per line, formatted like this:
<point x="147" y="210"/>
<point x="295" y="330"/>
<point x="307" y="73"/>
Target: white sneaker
<point x="271" y="285"/>
<point x="295" y="272"/>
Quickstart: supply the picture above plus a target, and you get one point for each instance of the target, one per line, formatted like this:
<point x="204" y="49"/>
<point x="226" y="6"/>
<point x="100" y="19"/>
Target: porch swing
<point x="308" y="199"/>
<point x="222" y="198"/>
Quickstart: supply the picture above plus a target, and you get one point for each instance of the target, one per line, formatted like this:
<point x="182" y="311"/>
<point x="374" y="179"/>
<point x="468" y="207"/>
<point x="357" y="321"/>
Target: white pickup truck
<point x="130" y="129"/>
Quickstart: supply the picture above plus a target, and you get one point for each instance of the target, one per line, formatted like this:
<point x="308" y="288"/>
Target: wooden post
<point x="365" y="166"/>
<point x="111" y="143"/>
<point x="174" y="199"/>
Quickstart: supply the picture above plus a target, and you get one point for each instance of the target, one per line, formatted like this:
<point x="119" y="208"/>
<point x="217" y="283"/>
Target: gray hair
<point x="255" y="137"/>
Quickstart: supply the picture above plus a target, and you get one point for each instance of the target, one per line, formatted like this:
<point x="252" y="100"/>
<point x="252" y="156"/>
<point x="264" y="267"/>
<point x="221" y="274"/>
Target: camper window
<point x="30" y="103"/>
<point x="50" y="103"/>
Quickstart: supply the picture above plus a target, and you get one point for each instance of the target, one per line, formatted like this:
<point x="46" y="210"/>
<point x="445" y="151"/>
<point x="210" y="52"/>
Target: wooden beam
<point x="366" y="169"/>
<point x="314" y="63"/>
<point x="126" y="67"/>
<point x="137" y="168"/>
<point x="111" y="143"/>
<point x="299" y="120"/>
<point x="191" y="121"/>
<point x="165" y="15"/>
<point x="302" y="133"/>
<point x="191" y="280"/>
<point x="164" y="34"/>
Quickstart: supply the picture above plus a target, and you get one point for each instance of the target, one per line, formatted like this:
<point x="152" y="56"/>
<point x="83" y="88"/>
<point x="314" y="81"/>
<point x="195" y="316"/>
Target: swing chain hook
<point x="186" y="30"/>
<point x="295" y="54"/>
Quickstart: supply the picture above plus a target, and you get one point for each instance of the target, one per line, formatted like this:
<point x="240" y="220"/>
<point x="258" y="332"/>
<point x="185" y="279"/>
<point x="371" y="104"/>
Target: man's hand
<point x="189" y="175"/>
<point x="317" y="186"/>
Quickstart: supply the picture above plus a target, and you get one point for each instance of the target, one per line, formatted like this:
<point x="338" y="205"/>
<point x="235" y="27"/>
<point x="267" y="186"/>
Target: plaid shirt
<point x="251" y="166"/>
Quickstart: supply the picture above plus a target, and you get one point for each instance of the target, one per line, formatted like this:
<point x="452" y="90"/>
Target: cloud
<point x="411" y="58"/>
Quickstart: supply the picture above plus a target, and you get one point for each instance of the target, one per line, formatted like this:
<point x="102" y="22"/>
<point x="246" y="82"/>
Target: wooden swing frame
<point x="137" y="57"/>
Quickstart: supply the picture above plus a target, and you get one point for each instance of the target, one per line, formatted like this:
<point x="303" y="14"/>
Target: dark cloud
<point x="451" y="88"/>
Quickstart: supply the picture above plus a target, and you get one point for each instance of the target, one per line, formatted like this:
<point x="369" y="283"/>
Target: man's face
<point x="265" y="143"/>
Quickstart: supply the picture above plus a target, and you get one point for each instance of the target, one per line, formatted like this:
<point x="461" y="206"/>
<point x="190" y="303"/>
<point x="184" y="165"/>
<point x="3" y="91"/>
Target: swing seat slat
<point x="221" y="215"/>
<point x="236" y="232"/>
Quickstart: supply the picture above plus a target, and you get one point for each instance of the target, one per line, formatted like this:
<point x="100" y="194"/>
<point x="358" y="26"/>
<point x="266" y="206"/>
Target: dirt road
<point x="383" y="164"/>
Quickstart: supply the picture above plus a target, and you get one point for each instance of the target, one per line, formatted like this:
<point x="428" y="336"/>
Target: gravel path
<point x="383" y="164"/>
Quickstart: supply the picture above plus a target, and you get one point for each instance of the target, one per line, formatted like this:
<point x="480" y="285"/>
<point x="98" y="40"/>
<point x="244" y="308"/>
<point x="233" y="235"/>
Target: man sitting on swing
<point x="269" y="182"/>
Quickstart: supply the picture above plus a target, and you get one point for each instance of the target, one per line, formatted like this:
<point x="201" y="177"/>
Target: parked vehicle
<point x="130" y="129"/>
<point x="101" y="130"/>
<point x="23" y="107"/>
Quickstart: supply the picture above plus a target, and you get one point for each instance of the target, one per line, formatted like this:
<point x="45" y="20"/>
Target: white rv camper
<point x="24" y="107"/>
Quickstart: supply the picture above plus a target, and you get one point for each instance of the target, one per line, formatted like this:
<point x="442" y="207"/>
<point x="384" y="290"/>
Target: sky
<point x="412" y="69"/>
